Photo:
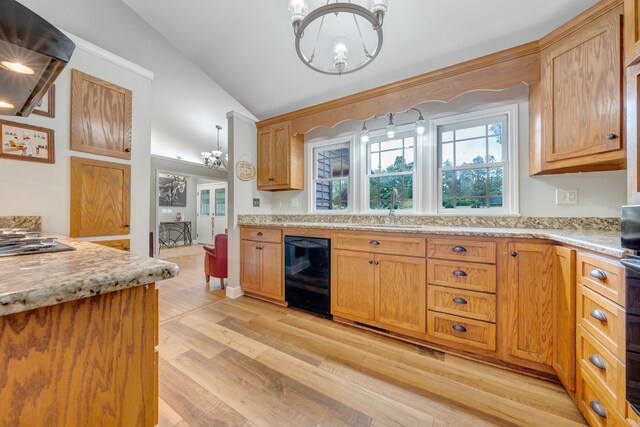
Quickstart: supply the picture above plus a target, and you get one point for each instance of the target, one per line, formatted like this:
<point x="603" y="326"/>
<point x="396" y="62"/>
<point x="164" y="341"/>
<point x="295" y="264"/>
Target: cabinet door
<point x="401" y="287"/>
<point x="530" y="286"/>
<point x="265" y="158"/>
<point x="122" y="244"/>
<point x="281" y="167"/>
<point x="352" y="284"/>
<point x="632" y="31"/>
<point x="564" y="316"/>
<point x="250" y="261"/>
<point x="271" y="283"/>
<point x="100" y="116"/>
<point x="582" y="75"/>
<point x="100" y="198"/>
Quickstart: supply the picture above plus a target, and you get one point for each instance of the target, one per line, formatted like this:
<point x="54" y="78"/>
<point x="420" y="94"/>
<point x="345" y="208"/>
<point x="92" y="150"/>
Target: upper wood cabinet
<point x="280" y="158"/>
<point x="631" y="32"/>
<point x="529" y="282"/>
<point x="100" y="198"/>
<point x="100" y="116"/>
<point x="564" y="316"/>
<point x="576" y="109"/>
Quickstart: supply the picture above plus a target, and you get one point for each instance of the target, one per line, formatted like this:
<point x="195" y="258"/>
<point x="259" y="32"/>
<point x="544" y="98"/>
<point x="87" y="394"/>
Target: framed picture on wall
<point x="47" y="105"/>
<point x="172" y="190"/>
<point x="26" y="142"/>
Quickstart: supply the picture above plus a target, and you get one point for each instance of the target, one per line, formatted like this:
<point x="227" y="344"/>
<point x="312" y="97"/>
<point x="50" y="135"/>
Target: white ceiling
<point x="248" y="46"/>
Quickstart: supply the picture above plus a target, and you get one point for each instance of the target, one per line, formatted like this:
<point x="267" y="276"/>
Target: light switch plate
<point x="256" y="203"/>
<point x="294" y="203"/>
<point x="566" y="197"/>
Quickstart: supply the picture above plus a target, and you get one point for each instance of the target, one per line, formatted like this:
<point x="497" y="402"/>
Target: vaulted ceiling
<point x="248" y="46"/>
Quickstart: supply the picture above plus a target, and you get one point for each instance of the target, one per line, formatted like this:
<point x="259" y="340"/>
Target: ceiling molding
<point x="109" y="56"/>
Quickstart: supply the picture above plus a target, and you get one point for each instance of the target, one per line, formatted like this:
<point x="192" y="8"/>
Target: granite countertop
<point x="33" y="281"/>
<point x="602" y="241"/>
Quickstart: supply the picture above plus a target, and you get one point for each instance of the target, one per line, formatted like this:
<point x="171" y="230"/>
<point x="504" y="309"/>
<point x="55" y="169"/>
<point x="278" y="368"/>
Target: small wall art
<point x="172" y="190"/>
<point x="25" y="142"/>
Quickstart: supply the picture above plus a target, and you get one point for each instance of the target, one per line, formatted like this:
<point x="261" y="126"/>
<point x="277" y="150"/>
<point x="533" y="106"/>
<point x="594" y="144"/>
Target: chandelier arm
<point x="364" y="46"/>
<point x="315" y="45"/>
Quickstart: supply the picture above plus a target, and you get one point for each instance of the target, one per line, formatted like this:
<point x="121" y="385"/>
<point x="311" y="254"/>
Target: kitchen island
<point x="78" y="332"/>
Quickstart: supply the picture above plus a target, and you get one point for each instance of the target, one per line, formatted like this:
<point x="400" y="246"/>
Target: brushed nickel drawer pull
<point x="612" y="136"/>
<point x="459" y="249"/>
<point x="459" y="328"/>
<point x="374" y="243"/>
<point x="598" y="409"/>
<point x="260" y="234"/>
<point x="459" y="300"/>
<point x="598" y="273"/>
<point x="598" y="315"/>
<point x="596" y="360"/>
<point x="458" y="273"/>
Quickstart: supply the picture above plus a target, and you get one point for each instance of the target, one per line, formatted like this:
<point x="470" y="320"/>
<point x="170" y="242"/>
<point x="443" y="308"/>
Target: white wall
<point x="28" y="188"/>
<point x="600" y="194"/>
<point x="186" y="103"/>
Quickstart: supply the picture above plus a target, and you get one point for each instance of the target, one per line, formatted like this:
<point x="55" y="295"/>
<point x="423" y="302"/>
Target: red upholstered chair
<point x="215" y="259"/>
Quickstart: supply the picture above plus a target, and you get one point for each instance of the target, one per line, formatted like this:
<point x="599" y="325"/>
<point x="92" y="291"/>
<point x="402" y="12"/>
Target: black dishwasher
<point x="307" y="273"/>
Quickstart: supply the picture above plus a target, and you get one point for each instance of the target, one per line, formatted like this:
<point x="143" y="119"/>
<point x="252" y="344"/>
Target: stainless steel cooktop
<point x="19" y="241"/>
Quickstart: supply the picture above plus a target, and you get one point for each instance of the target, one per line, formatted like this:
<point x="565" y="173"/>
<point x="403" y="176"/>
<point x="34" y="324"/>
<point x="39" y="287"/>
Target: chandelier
<point x="390" y="130"/>
<point x="331" y="29"/>
<point x="213" y="159"/>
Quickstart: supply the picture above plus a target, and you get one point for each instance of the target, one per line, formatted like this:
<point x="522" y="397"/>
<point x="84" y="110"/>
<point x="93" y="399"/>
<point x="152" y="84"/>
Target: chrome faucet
<point x="392" y="210"/>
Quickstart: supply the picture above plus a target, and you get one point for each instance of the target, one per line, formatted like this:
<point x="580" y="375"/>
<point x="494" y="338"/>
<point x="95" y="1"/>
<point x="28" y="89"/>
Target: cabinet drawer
<point x="603" y="319"/>
<point x="603" y="275"/>
<point x="591" y="401"/>
<point x="607" y="371"/>
<point x="473" y="305"/>
<point x="462" y="249"/>
<point x="473" y="333"/>
<point x="262" y="234"/>
<point x="380" y="243"/>
<point x="463" y="275"/>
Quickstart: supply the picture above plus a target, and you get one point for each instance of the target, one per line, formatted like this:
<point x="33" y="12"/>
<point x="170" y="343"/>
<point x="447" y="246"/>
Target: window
<point x="473" y="163"/>
<point x="391" y="164"/>
<point x="220" y="199"/>
<point x="332" y="164"/>
<point x="205" y="202"/>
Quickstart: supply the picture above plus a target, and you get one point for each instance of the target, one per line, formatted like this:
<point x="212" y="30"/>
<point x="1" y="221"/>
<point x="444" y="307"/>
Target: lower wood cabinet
<point x="564" y="316"/>
<point x="529" y="334"/>
<point x="261" y="269"/>
<point x="122" y="244"/>
<point x="389" y="290"/>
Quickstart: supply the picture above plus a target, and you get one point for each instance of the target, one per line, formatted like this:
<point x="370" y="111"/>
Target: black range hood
<point x="32" y="54"/>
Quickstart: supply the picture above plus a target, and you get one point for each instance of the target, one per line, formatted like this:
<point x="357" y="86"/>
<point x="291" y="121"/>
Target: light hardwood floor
<point x="249" y="363"/>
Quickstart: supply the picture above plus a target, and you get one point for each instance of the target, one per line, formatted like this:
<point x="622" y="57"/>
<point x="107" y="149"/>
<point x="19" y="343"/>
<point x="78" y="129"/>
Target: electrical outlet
<point x="278" y="203"/>
<point x="256" y="203"/>
<point x="566" y="197"/>
<point x="294" y="203"/>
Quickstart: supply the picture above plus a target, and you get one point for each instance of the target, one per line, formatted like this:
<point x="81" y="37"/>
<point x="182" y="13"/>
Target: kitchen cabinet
<point x="632" y="122"/>
<point x="121" y="244"/>
<point x="280" y="158"/>
<point x="100" y="198"/>
<point x="576" y="109"/>
<point x="389" y="290"/>
<point x="101" y="115"/>
<point x="564" y="316"/>
<point x="261" y="269"/>
<point x="631" y="32"/>
<point x="529" y="334"/>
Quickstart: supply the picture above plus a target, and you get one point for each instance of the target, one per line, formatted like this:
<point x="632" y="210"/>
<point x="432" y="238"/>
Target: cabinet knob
<point x="598" y="273"/>
<point x="459" y="328"/>
<point x="598" y="408"/>
<point x="271" y="179"/>
<point x="596" y="360"/>
<point x="598" y="315"/>
<point x="127" y="226"/>
<point x="260" y="234"/>
<point x="459" y="249"/>
<point x="612" y="136"/>
<point x="459" y="300"/>
<point x="370" y="261"/>
<point x="374" y="243"/>
<point x="458" y="273"/>
<point x="514" y="254"/>
<point x="127" y="150"/>
<point x="377" y="262"/>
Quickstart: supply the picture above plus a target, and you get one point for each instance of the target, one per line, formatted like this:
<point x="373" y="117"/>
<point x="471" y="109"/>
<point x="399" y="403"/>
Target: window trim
<point x="511" y="198"/>
<point x="310" y="148"/>
<point x="408" y="129"/>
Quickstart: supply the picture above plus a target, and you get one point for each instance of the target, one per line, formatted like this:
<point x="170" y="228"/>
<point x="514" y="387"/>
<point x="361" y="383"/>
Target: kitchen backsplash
<point x="560" y="223"/>
<point x="31" y="223"/>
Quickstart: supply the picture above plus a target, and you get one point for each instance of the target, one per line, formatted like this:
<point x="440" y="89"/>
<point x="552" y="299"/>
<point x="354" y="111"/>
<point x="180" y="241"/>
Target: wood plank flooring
<point x="245" y="362"/>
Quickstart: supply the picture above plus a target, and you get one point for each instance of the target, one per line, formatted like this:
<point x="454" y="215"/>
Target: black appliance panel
<point x="307" y="273"/>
